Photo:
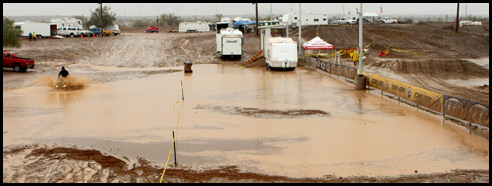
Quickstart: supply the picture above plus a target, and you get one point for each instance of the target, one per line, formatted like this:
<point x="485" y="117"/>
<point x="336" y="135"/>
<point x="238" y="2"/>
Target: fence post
<point x="174" y="146"/>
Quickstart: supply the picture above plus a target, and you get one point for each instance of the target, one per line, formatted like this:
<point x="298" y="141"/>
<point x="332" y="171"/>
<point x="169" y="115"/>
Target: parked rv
<point x="42" y="30"/>
<point x="67" y="22"/>
<point x="281" y="52"/>
<point x="193" y="27"/>
<point x="230" y="43"/>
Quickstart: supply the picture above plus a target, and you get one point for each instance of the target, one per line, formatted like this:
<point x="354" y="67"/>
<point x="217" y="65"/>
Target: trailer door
<point x="231" y="46"/>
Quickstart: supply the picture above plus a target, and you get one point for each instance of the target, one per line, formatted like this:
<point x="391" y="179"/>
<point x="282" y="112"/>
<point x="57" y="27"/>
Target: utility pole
<point x="360" y="79"/>
<point x="343" y="9"/>
<point x="300" y="25"/>
<point x="101" y="19"/>
<point x="360" y="40"/>
<point x="257" y="20"/>
<point x="457" y="17"/>
<point x="271" y="12"/>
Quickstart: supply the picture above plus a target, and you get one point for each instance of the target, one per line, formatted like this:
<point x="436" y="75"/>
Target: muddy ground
<point x="431" y="55"/>
<point x="43" y="164"/>
<point x="138" y="55"/>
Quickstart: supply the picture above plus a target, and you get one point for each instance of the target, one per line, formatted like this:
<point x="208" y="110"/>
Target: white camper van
<point x="230" y="43"/>
<point x="281" y="52"/>
<point x="42" y="29"/>
<point x="193" y="27"/>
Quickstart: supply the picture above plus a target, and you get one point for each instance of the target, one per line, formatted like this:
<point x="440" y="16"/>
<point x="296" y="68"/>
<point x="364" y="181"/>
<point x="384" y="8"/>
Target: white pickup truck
<point x="68" y="31"/>
<point x="388" y="20"/>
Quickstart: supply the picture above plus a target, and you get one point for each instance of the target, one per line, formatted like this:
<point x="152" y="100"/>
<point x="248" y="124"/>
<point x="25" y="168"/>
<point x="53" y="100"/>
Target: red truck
<point x="19" y="64"/>
<point x="151" y="28"/>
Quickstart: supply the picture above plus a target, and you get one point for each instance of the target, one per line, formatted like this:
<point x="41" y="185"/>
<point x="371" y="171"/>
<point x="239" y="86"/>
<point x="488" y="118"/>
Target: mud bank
<point x="43" y="164"/>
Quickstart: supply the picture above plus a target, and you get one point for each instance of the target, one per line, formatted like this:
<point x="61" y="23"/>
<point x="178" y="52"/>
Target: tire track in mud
<point x="263" y="113"/>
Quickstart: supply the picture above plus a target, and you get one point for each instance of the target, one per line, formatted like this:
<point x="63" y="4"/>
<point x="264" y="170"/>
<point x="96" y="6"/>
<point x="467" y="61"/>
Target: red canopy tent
<point x="317" y="44"/>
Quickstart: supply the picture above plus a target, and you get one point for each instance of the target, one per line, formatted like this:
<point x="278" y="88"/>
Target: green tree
<point x="11" y="34"/>
<point x="170" y="19"/>
<point x="107" y="17"/>
<point x="219" y="16"/>
<point x="141" y="23"/>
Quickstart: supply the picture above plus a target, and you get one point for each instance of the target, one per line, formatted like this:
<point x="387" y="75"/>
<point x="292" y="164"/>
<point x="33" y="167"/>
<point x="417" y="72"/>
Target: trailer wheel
<point x="71" y="35"/>
<point x="17" y="67"/>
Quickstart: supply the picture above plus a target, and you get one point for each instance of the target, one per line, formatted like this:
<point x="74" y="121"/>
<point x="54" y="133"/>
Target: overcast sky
<point x="182" y="9"/>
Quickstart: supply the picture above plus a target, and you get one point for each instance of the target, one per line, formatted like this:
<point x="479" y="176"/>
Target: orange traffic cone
<point x="122" y="33"/>
<point x="99" y="35"/>
<point x="93" y="35"/>
<point x="81" y="35"/>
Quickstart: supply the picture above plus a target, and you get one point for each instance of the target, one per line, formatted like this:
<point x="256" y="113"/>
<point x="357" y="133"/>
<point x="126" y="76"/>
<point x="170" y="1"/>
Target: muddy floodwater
<point x="299" y="123"/>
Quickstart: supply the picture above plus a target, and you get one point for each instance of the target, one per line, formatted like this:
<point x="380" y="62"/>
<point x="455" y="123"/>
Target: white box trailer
<point x="230" y="43"/>
<point x="281" y="52"/>
<point x="42" y="30"/>
<point x="193" y="27"/>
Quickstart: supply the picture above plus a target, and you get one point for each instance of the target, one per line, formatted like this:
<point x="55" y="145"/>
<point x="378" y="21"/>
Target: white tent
<point x="317" y="43"/>
<point x="370" y="14"/>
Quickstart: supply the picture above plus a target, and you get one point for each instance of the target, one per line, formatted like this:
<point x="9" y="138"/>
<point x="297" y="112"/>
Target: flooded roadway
<point x="252" y="118"/>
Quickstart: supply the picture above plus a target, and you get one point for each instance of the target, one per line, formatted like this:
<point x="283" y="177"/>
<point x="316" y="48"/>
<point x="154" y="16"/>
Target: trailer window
<point x="316" y="20"/>
<point x="295" y="17"/>
<point x="324" y="19"/>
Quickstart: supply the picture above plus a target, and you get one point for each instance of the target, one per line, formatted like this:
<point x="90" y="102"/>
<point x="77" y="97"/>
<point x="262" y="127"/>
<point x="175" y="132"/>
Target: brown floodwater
<point x="299" y="123"/>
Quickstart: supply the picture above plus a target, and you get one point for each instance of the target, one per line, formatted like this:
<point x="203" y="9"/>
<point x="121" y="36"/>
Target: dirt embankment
<point x="429" y="54"/>
<point x="42" y="164"/>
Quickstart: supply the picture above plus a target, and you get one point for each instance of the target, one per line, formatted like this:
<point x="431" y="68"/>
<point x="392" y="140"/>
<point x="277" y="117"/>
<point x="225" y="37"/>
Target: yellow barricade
<point x="426" y="98"/>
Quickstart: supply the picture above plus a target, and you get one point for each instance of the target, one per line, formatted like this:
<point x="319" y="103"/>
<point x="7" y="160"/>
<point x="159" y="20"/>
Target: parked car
<point x="84" y="32"/>
<point x="10" y="59"/>
<point x="152" y="29"/>
<point x="346" y="20"/>
<point x="405" y="21"/>
<point x="365" y="20"/>
<point x="388" y="20"/>
<point x="94" y="31"/>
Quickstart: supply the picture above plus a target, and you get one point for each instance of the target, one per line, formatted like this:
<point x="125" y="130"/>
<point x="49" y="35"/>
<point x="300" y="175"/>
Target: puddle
<point x="297" y="123"/>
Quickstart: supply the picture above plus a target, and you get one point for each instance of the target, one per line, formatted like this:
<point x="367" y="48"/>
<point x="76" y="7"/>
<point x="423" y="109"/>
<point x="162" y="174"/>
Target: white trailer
<point x="193" y="27"/>
<point x="281" y="52"/>
<point x="307" y="19"/>
<point x="42" y="29"/>
<point x="230" y="43"/>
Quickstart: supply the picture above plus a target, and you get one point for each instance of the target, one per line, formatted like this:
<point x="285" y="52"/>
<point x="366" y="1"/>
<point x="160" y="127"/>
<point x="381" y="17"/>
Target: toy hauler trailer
<point x="230" y="43"/>
<point x="42" y="30"/>
<point x="281" y="53"/>
<point x="194" y="27"/>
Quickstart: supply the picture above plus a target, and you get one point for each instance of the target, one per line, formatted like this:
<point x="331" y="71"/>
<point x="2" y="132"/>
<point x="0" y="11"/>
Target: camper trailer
<point x="281" y="53"/>
<point x="307" y="19"/>
<point x="67" y="22"/>
<point x="230" y="43"/>
<point x="194" y="27"/>
<point x="42" y="29"/>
